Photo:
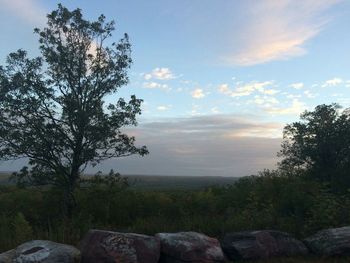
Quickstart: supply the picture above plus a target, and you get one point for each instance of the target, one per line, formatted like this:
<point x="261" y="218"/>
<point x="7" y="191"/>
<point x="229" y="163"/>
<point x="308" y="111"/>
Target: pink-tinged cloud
<point x="278" y="30"/>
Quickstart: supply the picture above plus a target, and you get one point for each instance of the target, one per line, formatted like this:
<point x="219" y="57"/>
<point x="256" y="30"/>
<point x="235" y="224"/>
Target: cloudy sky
<point x="219" y="78"/>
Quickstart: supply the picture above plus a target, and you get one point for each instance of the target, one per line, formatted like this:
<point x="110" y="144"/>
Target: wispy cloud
<point x="214" y="126"/>
<point x="156" y="85"/>
<point x="27" y="10"/>
<point x="246" y="89"/>
<point x="332" y="82"/>
<point x="164" y="107"/>
<point x="309" y="94"/>
<point x="298" y="85"/>
<point x="295" y="108"/>
<point x="278" y="30"/>
<point x="265" y="101"/>
<point x="160" y="74"/>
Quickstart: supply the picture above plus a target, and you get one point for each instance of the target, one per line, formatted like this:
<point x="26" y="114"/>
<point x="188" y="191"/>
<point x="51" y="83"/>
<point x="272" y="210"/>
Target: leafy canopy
<point x="320" y="144"/>
<point x="52" y="108"/>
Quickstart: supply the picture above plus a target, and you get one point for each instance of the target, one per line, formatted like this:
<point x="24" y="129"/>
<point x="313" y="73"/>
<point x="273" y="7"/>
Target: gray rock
<point x="112" y="247"/>
<point x="189" y="247"/>
<point x="8" y="256"/>
<point x="261" y="245"/>
<point x="330" y="242"/>
<point x="41" y="251"/>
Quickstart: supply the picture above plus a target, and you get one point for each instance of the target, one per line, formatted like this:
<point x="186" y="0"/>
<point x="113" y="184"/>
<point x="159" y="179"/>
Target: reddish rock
<point x="190" y="247"/>
<point x="113" y="247"/>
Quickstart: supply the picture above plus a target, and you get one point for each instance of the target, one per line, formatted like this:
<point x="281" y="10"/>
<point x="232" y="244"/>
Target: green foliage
<point x="52" y="107"/>
<point x="320" y="145"/>
<point x="22" y="230"/>
<point x="271" y="200"/>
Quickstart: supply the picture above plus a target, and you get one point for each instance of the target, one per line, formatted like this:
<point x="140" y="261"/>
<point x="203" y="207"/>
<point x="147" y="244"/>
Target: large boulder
<point x="113" y="247"/>
<point x="41" y="251"/>
<point x="189" y="247"/>
<point x="8" y="256"/>
<point x="330" y="242"/>
<point x="262" y="244"/>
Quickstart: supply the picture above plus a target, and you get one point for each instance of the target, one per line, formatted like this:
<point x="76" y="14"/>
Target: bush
<point x="22" y="230"/>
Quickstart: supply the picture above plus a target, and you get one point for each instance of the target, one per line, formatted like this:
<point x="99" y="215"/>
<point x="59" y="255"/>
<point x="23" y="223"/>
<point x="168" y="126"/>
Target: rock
<point x="261" y="245"/>
<point x="8" y="256"/>
<point x="189" y="247"/>
<point x="41" y="251"/>
<point x="330" y="242"/>
<point x="107" y="246"/>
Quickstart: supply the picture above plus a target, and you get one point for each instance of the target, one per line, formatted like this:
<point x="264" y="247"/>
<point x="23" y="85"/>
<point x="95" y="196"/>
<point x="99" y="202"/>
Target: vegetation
<point x="270" y="200"/>
<point x="52" y="111"/>
<point x="52" y="107"/>
<point x="319" y="144"/>
<point x="289" y="199"/>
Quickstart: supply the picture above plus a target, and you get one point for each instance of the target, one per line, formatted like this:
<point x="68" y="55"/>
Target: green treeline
<point x="271" y="200"/>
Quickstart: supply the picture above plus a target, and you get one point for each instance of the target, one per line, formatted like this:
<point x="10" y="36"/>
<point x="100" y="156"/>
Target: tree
<point x="320" y="144"/>
<point x="52" y="106"/>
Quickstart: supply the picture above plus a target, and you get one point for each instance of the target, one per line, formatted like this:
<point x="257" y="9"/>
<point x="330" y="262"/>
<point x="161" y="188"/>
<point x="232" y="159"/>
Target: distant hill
<point x="163" y="182"/>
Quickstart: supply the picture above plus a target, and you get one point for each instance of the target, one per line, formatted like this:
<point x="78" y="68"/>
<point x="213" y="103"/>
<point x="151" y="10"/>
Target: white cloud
<point x="246" y="89"/>
<point x="197" y="93"/>
<point x="28" y="10"/>
<point x="309" y="94"/>
<point x="159" y="73"/>
<point x="265" y="101"/>
<point x="296" y="108"/>
<point x="164" y="107"/>
<point x="270" y="91"/>
<point x="148" y="76"/>
<point x="332" y="82"/>
<point x="156" y="85"/>
<point x="277" y="30"/>
<point x="337" y="95"/>
<point x="298" y="85"/>
<point x="293" y="96"/>
<point x="224" y="89"/>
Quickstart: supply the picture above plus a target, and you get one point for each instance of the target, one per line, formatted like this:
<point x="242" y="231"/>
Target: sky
<point x="219" y="79"/>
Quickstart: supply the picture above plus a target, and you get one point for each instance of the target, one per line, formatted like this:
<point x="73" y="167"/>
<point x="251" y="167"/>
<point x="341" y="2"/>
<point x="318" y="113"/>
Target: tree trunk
<point x="69" y="202"/>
